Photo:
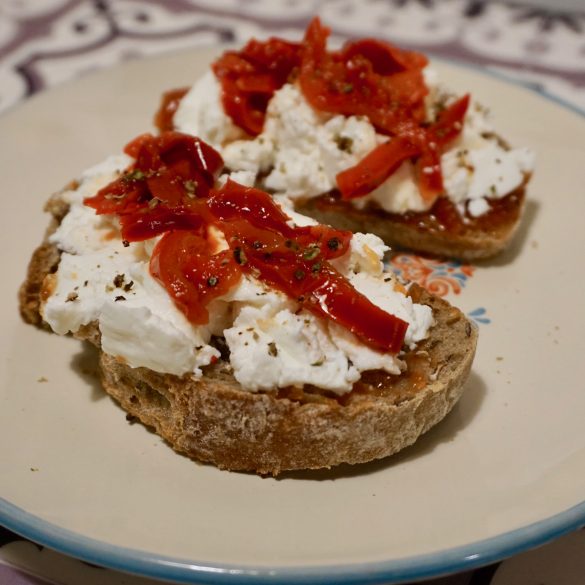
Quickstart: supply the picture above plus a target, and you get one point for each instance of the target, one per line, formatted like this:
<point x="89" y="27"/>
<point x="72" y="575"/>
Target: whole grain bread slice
<point x="463" y="238"/>
<point x="212" y="419"/>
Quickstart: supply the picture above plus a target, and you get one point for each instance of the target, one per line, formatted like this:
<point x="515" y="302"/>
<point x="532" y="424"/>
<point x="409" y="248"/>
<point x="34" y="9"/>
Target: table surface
<point x="43" y="44"/>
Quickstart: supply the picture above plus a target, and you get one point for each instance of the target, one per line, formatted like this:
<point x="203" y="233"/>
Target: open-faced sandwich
<point x="247" y="335"/>
<point x="363" y="138"/>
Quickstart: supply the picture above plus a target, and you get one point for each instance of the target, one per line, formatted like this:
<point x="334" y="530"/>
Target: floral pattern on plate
<point x="438" y="277"/>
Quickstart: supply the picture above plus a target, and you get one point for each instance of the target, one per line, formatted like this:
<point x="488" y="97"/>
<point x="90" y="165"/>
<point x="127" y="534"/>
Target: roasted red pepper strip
<point x="375" y="168"/>
<point x="184" y="262"/>
<point x="173" y="168"/>
<point x="366" y="78"/>
<point x="250" y="77"/>
<point x="261" y="239"/>
<point x="304" y="274"/>
<point x="294" y="260"/>
<point x="236" y="202"/>
<point x="450" y="121"/>
<point x="146" y="224"/>
<point x="386" y="59"/>
<point x="337" y="299"/>
<point x="163" y="119"/>
<point x="412" y="141"/>
<point x="446" y="128"/>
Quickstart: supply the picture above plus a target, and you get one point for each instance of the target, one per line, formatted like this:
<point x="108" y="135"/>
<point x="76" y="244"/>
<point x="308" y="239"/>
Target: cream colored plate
<point x="505" y="471"/>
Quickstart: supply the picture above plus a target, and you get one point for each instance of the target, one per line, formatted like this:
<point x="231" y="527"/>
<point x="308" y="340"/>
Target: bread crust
<point x="213" y="420"/>
<point x="468" y="244"/>
<point x="44" y="261"/>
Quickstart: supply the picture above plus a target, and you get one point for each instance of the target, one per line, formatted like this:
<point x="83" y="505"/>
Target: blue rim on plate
<point x="427" y="566"/>
<point x="453" y="560"/>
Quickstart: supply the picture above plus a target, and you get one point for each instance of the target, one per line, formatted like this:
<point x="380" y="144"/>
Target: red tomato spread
<point x="170" y="191"/>
<point x="170" y="101"/>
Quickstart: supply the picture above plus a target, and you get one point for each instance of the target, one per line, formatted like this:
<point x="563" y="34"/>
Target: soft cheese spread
<point x="110" y="273"/>
<point x="302" y="151"/>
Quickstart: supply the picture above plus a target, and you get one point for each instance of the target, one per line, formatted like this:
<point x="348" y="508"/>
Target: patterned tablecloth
<point x="46" y="42"/>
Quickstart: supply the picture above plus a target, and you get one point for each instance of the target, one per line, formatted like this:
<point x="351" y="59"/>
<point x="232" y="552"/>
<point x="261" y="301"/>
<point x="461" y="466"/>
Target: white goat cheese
<point x="300" y="151"/>
<point x="273" y="342"/>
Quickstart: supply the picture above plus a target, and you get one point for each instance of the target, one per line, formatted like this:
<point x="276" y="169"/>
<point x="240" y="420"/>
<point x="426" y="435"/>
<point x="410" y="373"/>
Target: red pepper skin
<point x="375" y="168"/>
<point x="446" y="128"/>
<point x="366" y="77"/>
<point x="250" y="77"/>
<point x="185" y="263"/>
<point x="449" y="122"/>
<point x="294" y="260"/>
<point x="424" y="144"/>
<point x="173" y="168"/>
<point x="157" y="197"/>
<point x="386" y="59"/>
<point x="146" y="224"/>
<point x="170" y="101"/>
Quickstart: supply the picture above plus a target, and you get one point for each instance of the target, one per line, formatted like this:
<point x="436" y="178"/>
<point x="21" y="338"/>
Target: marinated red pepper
<point x="375" y="167"/>
<point x="163" y="119"/>
<point x="367" y="77"/>
<point x="250" y="77"/>
<point x="173" y="168"/>
<point x="424" y="143"/>
<point x="151" y="200"/>
<point x="149" y="223"/>
<point x="294" y="260"/>
<point x="192" y="272"/>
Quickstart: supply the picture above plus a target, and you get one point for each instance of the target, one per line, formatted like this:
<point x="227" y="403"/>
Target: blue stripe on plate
<point x="193" y="571"/>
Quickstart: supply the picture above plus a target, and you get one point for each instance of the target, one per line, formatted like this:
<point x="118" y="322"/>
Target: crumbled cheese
<point x="483" y="172"/>
<point x="301" y="151"/>
<point x="148" y="331"/>
<point x="273" y="342"/>
<point x="477" y="207"/>
<point x="273" y="348"/>
<point x="398" y="194"/>
<point x="201" y="114"/>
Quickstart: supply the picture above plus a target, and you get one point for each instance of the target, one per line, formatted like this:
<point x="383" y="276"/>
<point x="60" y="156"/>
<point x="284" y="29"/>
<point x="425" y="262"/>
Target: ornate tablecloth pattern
<point x="43" y="43"/>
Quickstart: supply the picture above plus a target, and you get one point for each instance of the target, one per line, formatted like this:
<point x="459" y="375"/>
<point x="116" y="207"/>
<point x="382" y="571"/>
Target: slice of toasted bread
<point x="212" y="419"/>
<point x="44" y="261"/>
<point x="441" y="231"/>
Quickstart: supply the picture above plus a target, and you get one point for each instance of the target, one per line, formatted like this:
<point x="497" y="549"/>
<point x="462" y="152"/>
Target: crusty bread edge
<point x="474" y="245"/>
<point x="44" y="261"/>
<point x="213" y="420"/>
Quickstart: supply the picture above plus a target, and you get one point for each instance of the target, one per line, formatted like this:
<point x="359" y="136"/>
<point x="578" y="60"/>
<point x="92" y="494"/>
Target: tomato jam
<point x="421" y="367"/>
<point x="163" y="119"/>
<point x="250" y="77"/>
<point x="443" y="217"/>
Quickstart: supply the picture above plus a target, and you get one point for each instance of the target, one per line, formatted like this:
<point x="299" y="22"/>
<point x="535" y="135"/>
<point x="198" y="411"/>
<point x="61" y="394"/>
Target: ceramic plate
<point x="505" y="471"/>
